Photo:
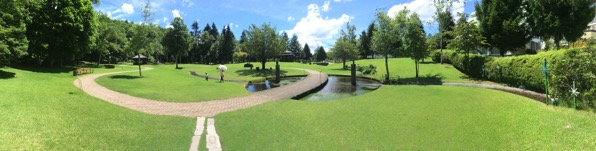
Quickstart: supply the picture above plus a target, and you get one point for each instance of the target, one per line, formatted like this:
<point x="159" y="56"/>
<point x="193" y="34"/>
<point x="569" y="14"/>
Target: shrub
<point x="564" y="67"/>
<point x="370" y="69"/>
<point x="109" y="66"/>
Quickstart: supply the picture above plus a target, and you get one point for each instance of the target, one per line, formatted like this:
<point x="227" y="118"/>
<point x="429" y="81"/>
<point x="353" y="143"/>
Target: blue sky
<point x="316" y="22"/>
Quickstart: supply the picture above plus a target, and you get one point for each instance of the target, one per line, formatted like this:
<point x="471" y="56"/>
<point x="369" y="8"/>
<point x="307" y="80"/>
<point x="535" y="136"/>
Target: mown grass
<point x="41" y="109"/>
<point x="165" y="83"/>
<point x="409" y="118"/>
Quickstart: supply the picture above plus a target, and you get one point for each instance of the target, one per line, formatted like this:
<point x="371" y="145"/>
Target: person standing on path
<point x="221" y="74"/>
<point x="206" y="76"/>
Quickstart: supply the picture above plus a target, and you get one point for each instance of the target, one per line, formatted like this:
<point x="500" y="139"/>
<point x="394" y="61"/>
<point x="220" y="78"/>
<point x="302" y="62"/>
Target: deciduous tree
<point x="177" y="40"/>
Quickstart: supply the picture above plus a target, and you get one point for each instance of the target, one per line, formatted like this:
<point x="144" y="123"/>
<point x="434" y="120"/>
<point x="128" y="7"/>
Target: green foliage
<point x="177" y="40"/>
<point x="415" y="40"/>
<point x="387" y="39"/>
<point x="446" y="21"/>
<point x="13" y="38"/>
<point x="564" y="66"/>
<point x="61" y="30"/>
<point x="320" y="54"/>
<point x="240" y="56"/>
<point x="559" y="19"/>
<point x="344" y="50"/>
<point x="264" y="43"/>
<point x="370" y="69"/>
<point x="307" y="53"/>
<point x="295" y="47"/>
<point x="502" y="23"/>
<point x="111" y="38"/>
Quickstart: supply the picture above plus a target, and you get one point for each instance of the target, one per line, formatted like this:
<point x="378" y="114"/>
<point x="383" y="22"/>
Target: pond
<point x="336" y="87"/>
<point x="341" y="87"/>
<point x="266" y="84"/>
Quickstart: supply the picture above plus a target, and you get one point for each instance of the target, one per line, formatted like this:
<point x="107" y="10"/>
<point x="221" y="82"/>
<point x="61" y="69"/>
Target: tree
<point x="13" y="37"/>
<point x="502" y="23"/>
<point x="446" y="22"/>
<point x="295" y="47"/>
<point x="142" y="38"/>
<point x="345" y="46"/>
<point x="467" y="38"/>
<point x="559" y="19"/>
<point x="415" y="41"/>
<point x="344" y="50"/>
<point x="110" y="38"/>
<point x="369" y="34"/>
<point x="227" y="44"/>
<point x="177" y="40"/>
<point x="320" y="54"/>
<point x="264" y="43"/>
<point x="387" y="39"/>
<point x="61" y="30"/>
<point x="307" y="53"/>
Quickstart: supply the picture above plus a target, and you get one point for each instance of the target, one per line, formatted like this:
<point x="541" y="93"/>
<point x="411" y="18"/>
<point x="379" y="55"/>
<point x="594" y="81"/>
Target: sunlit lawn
<point x="409" y="118"/>
<point x="41" y="109"/>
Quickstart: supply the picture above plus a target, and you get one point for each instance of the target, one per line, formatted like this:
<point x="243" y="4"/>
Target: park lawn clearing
<point x="409" y="118"/>
<point x="165" y="83"/>
<point x="41" y="109"/>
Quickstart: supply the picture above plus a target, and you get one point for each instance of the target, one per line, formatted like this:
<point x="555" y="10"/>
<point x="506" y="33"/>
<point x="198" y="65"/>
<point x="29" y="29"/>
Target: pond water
<point x="340" y="87"/>
<point x="265" y="85"/>
<point x="336" y="87"/>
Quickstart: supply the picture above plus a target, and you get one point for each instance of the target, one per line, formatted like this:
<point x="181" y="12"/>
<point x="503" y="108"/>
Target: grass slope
<point x="409" y="118"/>
<point x="40" y="109"/>
<point x="165" y="83"/>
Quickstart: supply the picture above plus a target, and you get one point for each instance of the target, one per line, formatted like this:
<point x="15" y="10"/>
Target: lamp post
<point x="545" y="71"/>
<point x="575" y="93"/>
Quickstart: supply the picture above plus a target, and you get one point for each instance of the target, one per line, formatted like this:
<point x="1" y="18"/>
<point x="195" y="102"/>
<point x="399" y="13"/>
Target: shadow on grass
<point x="471" y="78"/>
<point x="427" y="79"/>
<point x="46" y="69"/>
<point x="6" y="75"/>
<point x="126" y="77"/>
<point x="260" y="73"/>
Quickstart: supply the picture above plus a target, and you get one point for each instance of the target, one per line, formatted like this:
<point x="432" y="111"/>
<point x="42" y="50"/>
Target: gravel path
<point x="196" y="109"/>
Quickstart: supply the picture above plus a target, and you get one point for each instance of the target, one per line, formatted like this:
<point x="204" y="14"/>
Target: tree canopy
<point x="177" y="39"/>
<point x="264" y="43"/>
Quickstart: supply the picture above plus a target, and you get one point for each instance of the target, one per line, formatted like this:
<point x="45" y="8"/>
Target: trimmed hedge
<point x="564" y="66"/>
<point x="109" y="66"/>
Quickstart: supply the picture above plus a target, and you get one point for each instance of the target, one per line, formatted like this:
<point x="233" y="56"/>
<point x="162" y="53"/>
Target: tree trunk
<point x="139" y="63"/>
<point x="99" y="59"/>
<point x="416" y="66"/>
<point x="176" y="58"/>
<point x="344" y="61"/>
<point x="386" y="68"/>
<point x="263" y="61"/>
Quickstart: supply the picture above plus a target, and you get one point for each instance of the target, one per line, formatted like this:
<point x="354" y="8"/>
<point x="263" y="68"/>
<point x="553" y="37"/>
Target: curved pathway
<point x="523" y="92"/>
<point x="195" y="109"/>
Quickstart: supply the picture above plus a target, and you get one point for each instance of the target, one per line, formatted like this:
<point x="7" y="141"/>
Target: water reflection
<point x="341" y="87"/>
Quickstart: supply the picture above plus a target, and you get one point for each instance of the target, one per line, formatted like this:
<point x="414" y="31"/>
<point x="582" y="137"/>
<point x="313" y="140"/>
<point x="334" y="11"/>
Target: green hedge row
<point x="564" y="67"/>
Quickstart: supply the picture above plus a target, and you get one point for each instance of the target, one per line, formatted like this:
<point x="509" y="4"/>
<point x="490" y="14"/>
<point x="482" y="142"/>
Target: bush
<point x="564" y="67"/>
<point x="370" y="69"/>
<point x="109" y="66"/>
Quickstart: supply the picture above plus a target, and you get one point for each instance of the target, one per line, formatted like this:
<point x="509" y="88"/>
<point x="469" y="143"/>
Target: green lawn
<point x="165" y="83"/>
<point x="409" y="118"/>
<point x="398" y="67"/>
<point x="40" y="109"/>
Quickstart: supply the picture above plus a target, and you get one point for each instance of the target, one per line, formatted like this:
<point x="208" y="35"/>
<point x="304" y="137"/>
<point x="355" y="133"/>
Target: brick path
<point x="196" y="109"/>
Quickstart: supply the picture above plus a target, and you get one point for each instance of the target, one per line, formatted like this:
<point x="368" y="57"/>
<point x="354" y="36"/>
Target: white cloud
<point x="187" y="3"/>
<point x="120" y="12"/>
<point x="425" y="9"/>
<point x="326" y="6"/>
<point x="341" y="1"/>
<point x="169" y="26"/>
<point x="316" y="30"/>
<point x="291" y="18"/>
<point x="176" y="13"/>
<point x="127" y="8"/>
